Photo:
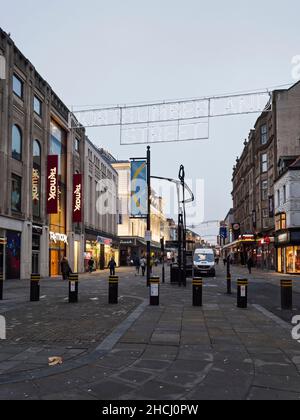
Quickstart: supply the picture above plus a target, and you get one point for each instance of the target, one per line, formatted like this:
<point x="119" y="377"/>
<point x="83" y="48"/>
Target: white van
<point x="204" y="262"/>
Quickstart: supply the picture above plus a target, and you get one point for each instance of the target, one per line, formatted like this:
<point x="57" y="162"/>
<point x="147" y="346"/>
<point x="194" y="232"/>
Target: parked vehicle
<point x="204" y="262"/>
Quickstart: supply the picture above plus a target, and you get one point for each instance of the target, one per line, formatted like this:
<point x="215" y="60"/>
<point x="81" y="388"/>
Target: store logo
<point x="2" y="328"/>
<point x="77" y="193"/>
<point x="296" y="329"/>
<point x="35" y="185"/>
<point x="53" y="187"/>
<point x="58" y="237"/>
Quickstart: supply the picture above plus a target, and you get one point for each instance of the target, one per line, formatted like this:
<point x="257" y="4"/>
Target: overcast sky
<point x="127" y="51"/>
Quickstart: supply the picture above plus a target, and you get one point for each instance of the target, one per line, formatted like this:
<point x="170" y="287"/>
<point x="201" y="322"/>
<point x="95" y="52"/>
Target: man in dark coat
<point x="65" y="268"/>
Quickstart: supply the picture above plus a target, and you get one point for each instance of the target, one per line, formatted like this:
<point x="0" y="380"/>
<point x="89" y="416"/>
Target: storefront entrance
<point x="55" y="258"/>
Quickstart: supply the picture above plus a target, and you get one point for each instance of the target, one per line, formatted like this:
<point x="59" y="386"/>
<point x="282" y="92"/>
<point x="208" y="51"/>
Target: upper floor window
<point x="264" y="162"/>
<point x="284" y="194"/>
<point x="37" y="106"/>
<point x="278" y="198"/>
<point x="16" y="188"/>
<point x="264" y="134"/>
<point x="77" y="145"/>
<point x="18" y="86"/>
<point x="264" y="190"/>
<point x="16" y="143"/>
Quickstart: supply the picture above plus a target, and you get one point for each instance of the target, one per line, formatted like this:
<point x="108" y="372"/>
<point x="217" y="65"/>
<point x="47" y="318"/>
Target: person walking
<point x="143" y="266"/>
<point x="65" y="268"/>
<point x="112" y="266"/>
<point x="91" y="265"/>
<point x="137" y="263"/>
<point x="250" y="264"/>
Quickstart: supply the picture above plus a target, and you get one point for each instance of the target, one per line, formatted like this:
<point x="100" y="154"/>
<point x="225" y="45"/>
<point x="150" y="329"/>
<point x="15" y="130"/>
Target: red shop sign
<point x="77" y="198"/>
<point x="52" y="185"/>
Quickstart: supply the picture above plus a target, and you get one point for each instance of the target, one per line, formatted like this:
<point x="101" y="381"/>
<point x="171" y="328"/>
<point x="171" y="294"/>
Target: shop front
<point x="2" y="252"/>
<point x="58" y="250"/>
<point x="131" y="248"/>
<point x="100" y="249"/>
<point x="12" y="255"/>
<point x="288" y="252"/>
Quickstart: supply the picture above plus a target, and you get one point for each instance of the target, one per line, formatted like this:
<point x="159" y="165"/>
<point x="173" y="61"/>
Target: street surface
<point x="132" y="351"/>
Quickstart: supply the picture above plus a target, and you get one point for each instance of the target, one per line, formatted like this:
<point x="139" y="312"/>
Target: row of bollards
<point x="197" y="284"/>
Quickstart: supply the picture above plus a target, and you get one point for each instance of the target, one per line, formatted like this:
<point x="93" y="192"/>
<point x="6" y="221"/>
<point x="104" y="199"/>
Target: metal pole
<point x="149" y="215"/>
<point x="163" y="258"/>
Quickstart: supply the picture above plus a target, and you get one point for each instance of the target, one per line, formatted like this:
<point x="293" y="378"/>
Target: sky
<point x="100" y="52"/>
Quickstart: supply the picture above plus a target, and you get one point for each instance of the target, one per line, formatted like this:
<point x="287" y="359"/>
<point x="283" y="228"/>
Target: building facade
<point x="276" y="134"/>
<point x="101" y="208"/>
<point x="287" y="216"/>
<point x="35" y="125"/>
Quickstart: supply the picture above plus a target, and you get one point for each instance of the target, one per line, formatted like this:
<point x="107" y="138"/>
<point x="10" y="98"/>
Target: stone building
<point x="287" y="216"/>
<point x="35" y="125"/>
<point x="101" y="207"/>
<point x="275" y="134"/>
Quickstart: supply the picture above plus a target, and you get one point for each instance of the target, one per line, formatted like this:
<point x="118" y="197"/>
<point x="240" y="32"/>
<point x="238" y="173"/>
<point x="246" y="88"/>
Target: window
<point x="36" y="179"/>
<point x="278" y="198"/>
<point x="280" y="221"/>
<point x="77" y="145"/>
<point x="264" y="162"/>
<point x="37" y="106"/>
<point x="264" y="134"/>
<point x="265" y="213"/>
<point x="16" y="143"/>
<point x="16" y="188"/>
<point x="284" y="194"/>
<point x="264" y="190"/>
<point x="18" y="86"/>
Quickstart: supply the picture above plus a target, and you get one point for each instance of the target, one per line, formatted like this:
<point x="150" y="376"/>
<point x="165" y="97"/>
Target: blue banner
<point x="139" y="189"/>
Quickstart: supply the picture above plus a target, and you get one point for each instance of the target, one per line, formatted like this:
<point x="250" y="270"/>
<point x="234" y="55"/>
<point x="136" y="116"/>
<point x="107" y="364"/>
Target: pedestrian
<point x="225" y="261"/>
<point x="112" y="266"/>
<point x="137" y="263"/>
<point x="143" y="266"/>
<point x="128" y="260"/>
<point x="91" y="265"/>
<point x="65" y="268"/>
<point x="217" y="260"/>
<point x="250" y="264"/>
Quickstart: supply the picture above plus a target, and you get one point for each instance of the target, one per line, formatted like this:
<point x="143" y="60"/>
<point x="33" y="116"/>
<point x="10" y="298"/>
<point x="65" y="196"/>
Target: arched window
<point x="17" y="143"/>
<point x="37" y="152"/>
<point x="36" y="178"/>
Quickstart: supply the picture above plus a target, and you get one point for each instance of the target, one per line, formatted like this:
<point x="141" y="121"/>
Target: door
<point x="54" y="263"/>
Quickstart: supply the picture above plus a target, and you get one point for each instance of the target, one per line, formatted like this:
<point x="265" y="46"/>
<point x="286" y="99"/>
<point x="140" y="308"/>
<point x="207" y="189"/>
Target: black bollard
<point x="73" y="288"/>
<point x="287" y="295"/>
<point x="113" y="290"/>
<point x="35" y="288"/>
<point x="154" y="291"/>
<point x="1" y="285"/>
<point x="197" y="291"/>
<point x="229" y="284"/>
<point x="242" y="293"/>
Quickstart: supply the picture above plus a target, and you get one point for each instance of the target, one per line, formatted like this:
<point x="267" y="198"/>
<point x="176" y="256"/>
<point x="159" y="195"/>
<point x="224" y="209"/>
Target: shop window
<point x="280" y="221"/>
<point x="293" y="259"/>
<point x="16" y="189"/>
